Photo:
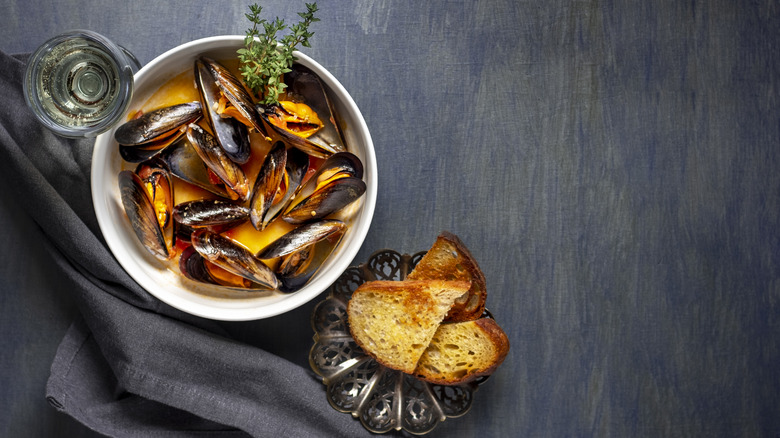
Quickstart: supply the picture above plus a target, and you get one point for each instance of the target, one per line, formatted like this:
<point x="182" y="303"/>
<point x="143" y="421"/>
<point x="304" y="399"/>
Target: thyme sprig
<point x="264" y="59"/>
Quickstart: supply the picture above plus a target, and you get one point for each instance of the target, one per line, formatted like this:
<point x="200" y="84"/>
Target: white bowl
<point x="171" y="287"/>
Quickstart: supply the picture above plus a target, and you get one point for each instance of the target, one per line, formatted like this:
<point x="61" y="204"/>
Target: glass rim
<point x="124" y="62"/>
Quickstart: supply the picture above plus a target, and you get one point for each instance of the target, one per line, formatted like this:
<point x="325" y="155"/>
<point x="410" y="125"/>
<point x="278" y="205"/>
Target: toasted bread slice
<point x="462" y="351"/>
<point x="394" y="321"/>
<point x="449" y="259"/>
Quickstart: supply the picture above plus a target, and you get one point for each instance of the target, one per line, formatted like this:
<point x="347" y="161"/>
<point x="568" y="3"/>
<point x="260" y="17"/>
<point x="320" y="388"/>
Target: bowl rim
<point x="229" y="311"/>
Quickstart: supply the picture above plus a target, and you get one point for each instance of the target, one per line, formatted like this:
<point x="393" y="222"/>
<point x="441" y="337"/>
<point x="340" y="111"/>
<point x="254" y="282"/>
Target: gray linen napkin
<point x="134" y="366"/>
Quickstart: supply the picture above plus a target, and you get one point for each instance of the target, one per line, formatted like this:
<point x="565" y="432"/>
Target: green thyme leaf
<point x="264" y="58"/>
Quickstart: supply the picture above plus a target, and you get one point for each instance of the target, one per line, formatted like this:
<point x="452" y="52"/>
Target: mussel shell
<point x="233" y="135"/>
<point x="302" y="143"/>
<point x="233" y="257"/>
<point x="209" y="212"/>
<point x="338" y="164"/>
<point x="341" y="162"/>
<point x="150" y="149"/>
<point x="267" y="184"/>
<point x="156" y="123"/>
<point x="191" y="266"/>
<point x="143" y="217"/>
<point x="155" y="176"/>
<point x="300" y="237"/>
<point x="303" y="84"/>
<point x="214" y="157"/>
<point x="234" y="90"/>
<point x="138" y="154"/>
<point x="331" y="198"/>
<point x="298" y="267"/>
<point x="295" y="170"/>
<point x="185" y="163"/>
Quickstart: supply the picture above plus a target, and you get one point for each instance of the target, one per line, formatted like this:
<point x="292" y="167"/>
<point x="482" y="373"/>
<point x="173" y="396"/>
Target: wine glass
<point x="79" y="83"/>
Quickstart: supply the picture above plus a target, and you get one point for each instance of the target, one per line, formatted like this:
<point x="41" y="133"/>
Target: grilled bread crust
<point x="449" y="259"/>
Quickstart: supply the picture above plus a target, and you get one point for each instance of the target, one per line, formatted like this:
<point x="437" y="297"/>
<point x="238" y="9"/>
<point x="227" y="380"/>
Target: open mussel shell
<point x="232" y="135"/>
<point x="267" y="184"/>
<point x="266" y="112"/>
<point x="304" y="85"/>
<point x="235" y="92"/>
<point x="185" y="163"/>
<point x="157" y="123"/>
<point x="143" y="215"/>
<point x="233" y="258"/>
<point x="340" y="164"/>
<point x="298" y="267"/>
<point x="331" y="198"/>
<point x="295" y="170"/>
<point x="209" y="150"/>
<point x="300" y="237"/>
<point x="201" y="213"/>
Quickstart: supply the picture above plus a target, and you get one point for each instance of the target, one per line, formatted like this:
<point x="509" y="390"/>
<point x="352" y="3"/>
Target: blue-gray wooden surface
<point x="613" y="166"/>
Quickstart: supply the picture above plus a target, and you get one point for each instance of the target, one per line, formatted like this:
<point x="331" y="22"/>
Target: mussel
<point x="143" y="137"/>
<point x="193" y="266"/>
<point x="305" y="86"/>
<point x="294" y="172"/>
<point x="338" y="165"/>
<point x="305" y="118"/>
<point x="185" y="163"/>
<point x="235" y="93"/>
<point x="233" y="258"/>
<point x="231" y="133"/>
<point x="147" y="197"/>
<point x="215" y="158"/>
<point x="300" y="237"/>
<point x="297" y="268"/>
<point x="201" y="213"/>
<point x="336" y="184"/>
<point x="334" y="196"/>
<point x="267" y="184"/>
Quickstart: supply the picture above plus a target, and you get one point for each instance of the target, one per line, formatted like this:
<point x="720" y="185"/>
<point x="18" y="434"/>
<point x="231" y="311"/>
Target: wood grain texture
<point x="613" y="166"/>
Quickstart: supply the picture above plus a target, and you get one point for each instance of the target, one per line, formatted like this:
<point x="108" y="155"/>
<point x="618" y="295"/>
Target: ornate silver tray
<point x="382" y="399"/>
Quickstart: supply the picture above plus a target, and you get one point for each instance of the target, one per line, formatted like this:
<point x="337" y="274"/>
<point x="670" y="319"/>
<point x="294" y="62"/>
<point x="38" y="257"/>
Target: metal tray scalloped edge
<point x="381" y="398"/>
